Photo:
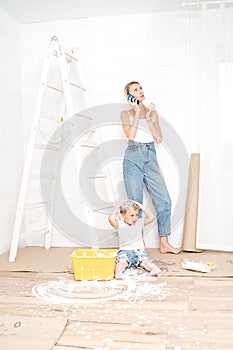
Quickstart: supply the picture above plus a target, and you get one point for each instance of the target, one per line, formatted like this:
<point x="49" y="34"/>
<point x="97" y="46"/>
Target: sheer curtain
<point x="215" y="213"/>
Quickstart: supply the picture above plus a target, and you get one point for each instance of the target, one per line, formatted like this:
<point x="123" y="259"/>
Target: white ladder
<point x="64" y="58"/>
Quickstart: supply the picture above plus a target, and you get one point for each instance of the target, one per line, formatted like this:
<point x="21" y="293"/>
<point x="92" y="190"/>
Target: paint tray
<point x="198" y="266"/>
<point x="93" y="264"/>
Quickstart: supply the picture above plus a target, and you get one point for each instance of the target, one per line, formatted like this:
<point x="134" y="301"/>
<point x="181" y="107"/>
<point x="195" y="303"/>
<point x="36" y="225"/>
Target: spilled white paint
<point x="132" y="287"/>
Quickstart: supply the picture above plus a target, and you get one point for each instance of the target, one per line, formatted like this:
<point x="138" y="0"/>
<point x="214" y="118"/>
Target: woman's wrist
<point x="135" y="120"/>
<point x="149" y="120"/>
<point x="148" y="116"/>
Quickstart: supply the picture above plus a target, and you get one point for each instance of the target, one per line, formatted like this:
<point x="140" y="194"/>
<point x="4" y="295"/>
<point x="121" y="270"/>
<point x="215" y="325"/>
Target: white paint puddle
<point x="133" y="287"/>
<point x="65" y="291"/>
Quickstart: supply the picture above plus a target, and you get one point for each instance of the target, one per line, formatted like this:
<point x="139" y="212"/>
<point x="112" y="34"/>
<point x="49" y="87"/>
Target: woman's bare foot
<point x="166" y="247"/>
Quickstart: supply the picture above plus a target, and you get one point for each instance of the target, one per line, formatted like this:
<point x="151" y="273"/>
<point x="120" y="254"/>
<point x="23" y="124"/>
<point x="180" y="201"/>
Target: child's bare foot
<point x="119" y="269"/>
<point x="156" y="272"/>
<point x="151" y="268"/>
<point x="166" y="247"/>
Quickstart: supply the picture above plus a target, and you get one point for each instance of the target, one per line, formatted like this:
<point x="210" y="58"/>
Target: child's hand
<point x="141" y="206"/>
<point x="113" y="220"/>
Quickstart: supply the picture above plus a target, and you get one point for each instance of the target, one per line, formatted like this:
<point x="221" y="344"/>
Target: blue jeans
<point x="133" y="257"/>
<point x="140" y="166"/>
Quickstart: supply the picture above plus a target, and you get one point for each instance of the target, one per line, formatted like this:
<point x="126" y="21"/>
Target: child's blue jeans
<point x="133" y="257"/>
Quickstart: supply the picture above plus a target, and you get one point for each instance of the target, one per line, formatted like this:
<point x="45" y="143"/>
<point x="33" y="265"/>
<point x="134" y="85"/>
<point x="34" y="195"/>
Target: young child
<point x="131" y="245"/>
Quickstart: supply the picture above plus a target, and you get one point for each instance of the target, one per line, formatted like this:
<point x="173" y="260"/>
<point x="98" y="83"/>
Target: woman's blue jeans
<point x="140" y="166"/>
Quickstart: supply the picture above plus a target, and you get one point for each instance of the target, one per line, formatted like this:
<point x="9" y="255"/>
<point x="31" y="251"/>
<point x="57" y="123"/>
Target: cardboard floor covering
<point x="39" y="259"/>
<point x="27" y="333"/>
<point x="172" y="263"/>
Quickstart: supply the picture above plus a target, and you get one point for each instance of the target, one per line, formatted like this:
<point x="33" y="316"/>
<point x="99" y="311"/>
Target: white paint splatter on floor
<point x="134" y="285"/>
<point x="66" y="291"/>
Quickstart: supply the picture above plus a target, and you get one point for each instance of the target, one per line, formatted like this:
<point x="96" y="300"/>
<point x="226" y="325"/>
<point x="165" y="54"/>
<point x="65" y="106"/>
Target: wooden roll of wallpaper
<point x="191" y="216"/>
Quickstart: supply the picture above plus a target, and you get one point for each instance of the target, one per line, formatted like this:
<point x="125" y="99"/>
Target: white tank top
<point x="143" y="134"/>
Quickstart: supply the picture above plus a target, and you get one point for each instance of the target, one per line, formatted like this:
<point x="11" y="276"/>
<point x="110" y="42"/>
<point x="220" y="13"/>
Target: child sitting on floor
<point x="131" y="245"/>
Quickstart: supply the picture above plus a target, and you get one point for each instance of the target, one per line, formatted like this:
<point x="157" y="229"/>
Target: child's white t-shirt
<point x="130" y="236"/>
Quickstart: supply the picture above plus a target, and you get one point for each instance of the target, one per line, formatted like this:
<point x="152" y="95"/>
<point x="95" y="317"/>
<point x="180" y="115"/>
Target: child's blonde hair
<point x="125" y="205"/>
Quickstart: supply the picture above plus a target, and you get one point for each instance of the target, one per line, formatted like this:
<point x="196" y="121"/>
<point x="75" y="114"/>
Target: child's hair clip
<point x="132" y="99"/>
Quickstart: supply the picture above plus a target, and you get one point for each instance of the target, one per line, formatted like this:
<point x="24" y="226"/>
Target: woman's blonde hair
<point x="127" y="86"/>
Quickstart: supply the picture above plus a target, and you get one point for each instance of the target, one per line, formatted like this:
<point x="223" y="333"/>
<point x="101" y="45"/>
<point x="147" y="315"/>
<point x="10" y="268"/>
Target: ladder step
<point x="90" y="145"/>
<point x="71" y="55"/>
<point x="83" y="116"/>
<point x="96" y="176"/>
<point x="35" y="205"/>
<point x="68" y="54"/>
<point x="43" y="176"/>
<point x="78" y="85"/>
<point x="54" y="119"/>
<point x="102" y="208"/>
<point x="47" y="147"/>
<point x="54" y="88"/>
<point x="42" y="231"/>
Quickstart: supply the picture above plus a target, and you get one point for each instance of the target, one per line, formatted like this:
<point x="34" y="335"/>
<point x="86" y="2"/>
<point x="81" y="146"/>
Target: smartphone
<point x="132" y="99"/>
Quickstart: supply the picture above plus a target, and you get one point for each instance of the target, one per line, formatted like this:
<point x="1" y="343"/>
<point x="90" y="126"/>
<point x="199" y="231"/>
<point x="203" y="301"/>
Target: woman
<point x="141" y="126"/>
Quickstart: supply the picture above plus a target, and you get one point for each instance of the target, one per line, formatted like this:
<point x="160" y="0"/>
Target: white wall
<point x="151" y="48"/>
<point x="148" y="47"/>
<point x="11" y="151"/>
